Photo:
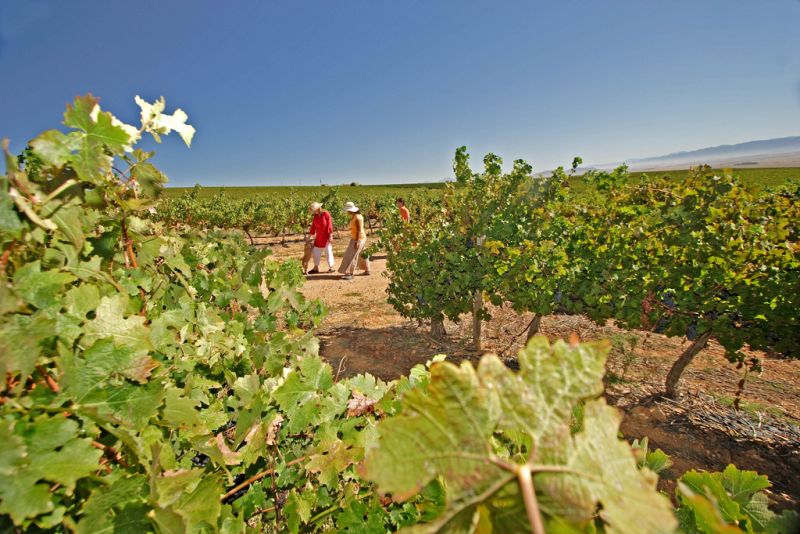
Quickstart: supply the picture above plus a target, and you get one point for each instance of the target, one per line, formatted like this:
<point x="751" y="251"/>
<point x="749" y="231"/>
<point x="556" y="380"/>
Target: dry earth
<point x="364" y="334"/>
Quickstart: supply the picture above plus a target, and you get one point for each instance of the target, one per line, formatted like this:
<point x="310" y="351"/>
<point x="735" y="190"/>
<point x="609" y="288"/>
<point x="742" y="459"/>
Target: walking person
<point x="322" y="230"/>
<point x="358" y="238"/>
<point x="401" y="206"/>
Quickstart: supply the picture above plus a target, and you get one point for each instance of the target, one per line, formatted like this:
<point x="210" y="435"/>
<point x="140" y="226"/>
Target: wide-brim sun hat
<point x="349" y="206"/>
<point x="315" y="206"/>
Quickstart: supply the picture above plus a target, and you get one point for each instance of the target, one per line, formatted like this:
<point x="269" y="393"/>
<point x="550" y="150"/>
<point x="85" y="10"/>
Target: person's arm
<point x="329" y="222"/>
<point x="313" y="228"/>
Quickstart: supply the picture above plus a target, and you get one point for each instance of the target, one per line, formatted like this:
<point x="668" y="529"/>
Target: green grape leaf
<point x="358" y="517"/>
<point x="40" y="288"/>
<point x="76" y="459"/>
<point x="300" y="396"/>
<point x="180" y="411"/>
<point x="607" y="473"/>
<point x="297" y="511"/>
<point x="23" y="498"/>
<point x="743" y="485"/>
<point x="331" y="459"/>
<point x="19" y="339"/>
<point x="710" y="485"/>
<point x="110" y="321"/>
<point x="443" y="429"/>
<point x="786" y="523"/>
<point x="69" y="221"/>
<point x="54" y="147"/>
<point x="87" y="375"/>
<point x="101" y="511"/>
<point x="81" y="300"/>
<point x="101" y="127"/>
<point x="698" y="515"/>
<point x="172" y="485"/>
<point x="49" y="433"/>
<point x="201" y="508"/>
<point x="10" y="223"/>
<point x="758" y="512"/>
<point x="448" y="428"/>
<point x="131" y="404"/>
<point x="368" y="385"/>
<point x="12" y="454"/>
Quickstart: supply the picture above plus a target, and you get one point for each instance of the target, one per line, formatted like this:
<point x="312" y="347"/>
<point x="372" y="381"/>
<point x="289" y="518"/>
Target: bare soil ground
<point x="364" y="334"/>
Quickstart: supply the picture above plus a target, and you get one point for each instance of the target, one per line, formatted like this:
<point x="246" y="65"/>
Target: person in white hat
<point x="358" y="238"/>
<point x="322" y="230"/>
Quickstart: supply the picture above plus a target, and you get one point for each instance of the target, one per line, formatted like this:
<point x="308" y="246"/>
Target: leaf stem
<point x="529" y="496"/>
<point x="257" y="477"/>
<point x="58" y="190"/>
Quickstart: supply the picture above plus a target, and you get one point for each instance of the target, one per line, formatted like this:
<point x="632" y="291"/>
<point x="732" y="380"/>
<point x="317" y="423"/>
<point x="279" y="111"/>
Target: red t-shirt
<point x="322" y="228"/>
<point x="404" y="213"/>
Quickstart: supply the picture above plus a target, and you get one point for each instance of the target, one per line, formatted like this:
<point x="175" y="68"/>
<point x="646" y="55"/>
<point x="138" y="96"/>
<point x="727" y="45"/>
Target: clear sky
<point x="375" y="91"/>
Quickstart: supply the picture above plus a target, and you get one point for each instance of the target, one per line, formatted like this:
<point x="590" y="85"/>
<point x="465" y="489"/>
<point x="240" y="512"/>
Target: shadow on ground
<point x="388" y="352"/>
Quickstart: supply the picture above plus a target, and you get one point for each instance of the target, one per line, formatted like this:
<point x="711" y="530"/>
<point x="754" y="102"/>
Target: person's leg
<point x="362" y="261"/>
<point x="317" y="257"/>
<point x="348" y="263"/>
<point x="329" y="249"/>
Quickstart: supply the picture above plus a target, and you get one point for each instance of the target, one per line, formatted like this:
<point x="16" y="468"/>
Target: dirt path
<point x="364" y="334"/>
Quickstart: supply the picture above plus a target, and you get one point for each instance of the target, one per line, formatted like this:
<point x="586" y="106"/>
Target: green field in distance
<point x="250" y="191"/>
<point x="766" y="177"/>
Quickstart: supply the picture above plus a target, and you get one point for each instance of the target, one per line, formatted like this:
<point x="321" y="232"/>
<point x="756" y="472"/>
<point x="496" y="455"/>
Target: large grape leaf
<point x="448" y="429"/>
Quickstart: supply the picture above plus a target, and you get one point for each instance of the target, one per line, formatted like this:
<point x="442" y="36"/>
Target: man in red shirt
<point x="401" y="205"/>
<point x="322" y="229"/>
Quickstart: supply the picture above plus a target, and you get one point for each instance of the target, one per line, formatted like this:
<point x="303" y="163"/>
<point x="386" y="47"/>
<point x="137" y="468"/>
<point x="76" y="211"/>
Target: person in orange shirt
<point x="401" y="205"/>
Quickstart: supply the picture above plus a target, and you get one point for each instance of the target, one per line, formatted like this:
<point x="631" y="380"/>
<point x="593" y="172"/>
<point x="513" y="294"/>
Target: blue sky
<point x="376" y="91"/>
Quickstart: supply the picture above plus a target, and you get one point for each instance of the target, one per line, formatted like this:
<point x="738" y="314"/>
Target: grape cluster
<point x="691" y="331"/>
<point x="662" y="324"/>
<point x="669" y="300"/>
<point x="200" y="460"/>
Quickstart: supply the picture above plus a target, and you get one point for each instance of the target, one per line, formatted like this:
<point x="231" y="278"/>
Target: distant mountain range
<point x="781" y="152"/>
